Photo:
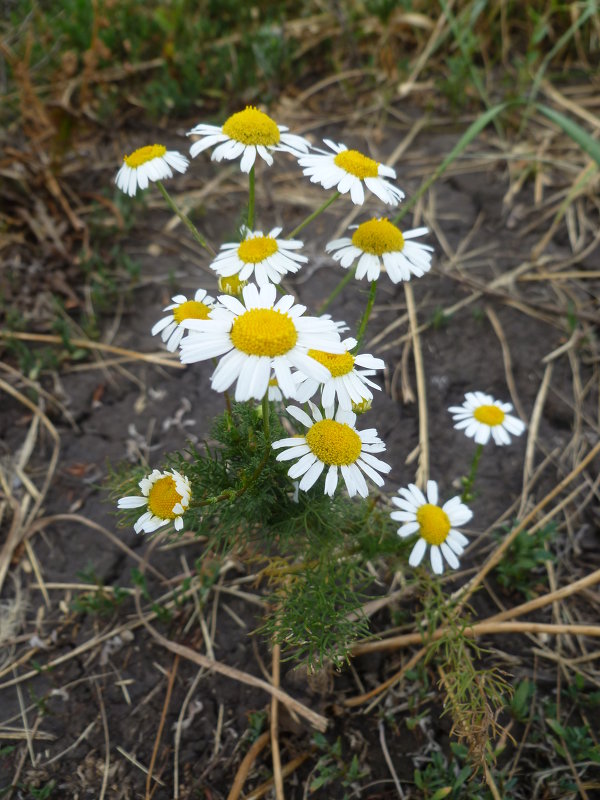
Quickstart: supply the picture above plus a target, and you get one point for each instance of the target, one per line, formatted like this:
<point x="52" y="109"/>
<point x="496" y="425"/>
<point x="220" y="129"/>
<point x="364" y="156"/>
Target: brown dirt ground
<point x="112" y="694"/>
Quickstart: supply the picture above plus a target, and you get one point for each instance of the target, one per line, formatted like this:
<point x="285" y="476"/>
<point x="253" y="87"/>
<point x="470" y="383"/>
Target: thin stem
<point x="365" y="317"/>
<point x="266" y="415"/>
<point x="346" y="279"/>
<point x="314" y="214"/>
<point x="251" y="187"/>
<point x="469" y="480"/>
<point x="186" y="220"/>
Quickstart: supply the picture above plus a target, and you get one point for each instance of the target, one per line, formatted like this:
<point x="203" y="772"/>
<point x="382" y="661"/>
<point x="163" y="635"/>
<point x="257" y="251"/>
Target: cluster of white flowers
<point x="269" y="347"/>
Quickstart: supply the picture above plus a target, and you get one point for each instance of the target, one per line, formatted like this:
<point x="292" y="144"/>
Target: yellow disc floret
<point x="264" y="332"/>
<point x="434" y="522"/>
<point x="191" y="309"/>
<point x="252" y="127"/>
<point x="337" y="363"/>
<point x="144" y="154"/>
<point x="255" y="250"/>
<point x="356" y="164"/>
<point x="334" y="442"/>
<point x="378" y="236"/>
<point x="489" y="415"/>
<point x="163" y="497"/>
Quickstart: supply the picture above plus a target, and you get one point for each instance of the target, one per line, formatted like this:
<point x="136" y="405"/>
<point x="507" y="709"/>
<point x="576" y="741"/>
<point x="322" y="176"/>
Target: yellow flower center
<point x="231" y="285"/>
<point x="337" y="363"/>
<point x="264" y="332"/>
<point x="163" y="497"/>
<point x="144" y="154"/>
<point x="273" y="382"/>
<point x="356" y="164"/>
<point x="191" y="309"/>
<point x="489" y="415"/>
<point x="434" y="523"/>
<point x="253" y="251"/>
<point x="252" y="126"/>
<point x="334" y="442"/>
<point x="378" y="236"/>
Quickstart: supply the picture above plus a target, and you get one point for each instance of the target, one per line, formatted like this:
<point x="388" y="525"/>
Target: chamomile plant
<point x="298" y="471"/>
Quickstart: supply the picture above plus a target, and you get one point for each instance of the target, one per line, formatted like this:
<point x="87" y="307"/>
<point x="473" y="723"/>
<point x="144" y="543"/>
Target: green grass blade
<point x="587" y="143"/>
<point x="465" y="140"/>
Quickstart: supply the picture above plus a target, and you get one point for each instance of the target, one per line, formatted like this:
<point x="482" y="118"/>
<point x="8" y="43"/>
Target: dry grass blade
<point x="246" y="765"/>
<point x="277" y="776"/>
<point x="172" y="673"/>
<point x="423" y="470"/>
<point x="87" y="344"/>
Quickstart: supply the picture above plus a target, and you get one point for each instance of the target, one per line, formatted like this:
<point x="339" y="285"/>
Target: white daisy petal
<point x="436" y="560"/>
<point x="417" y="553"/>
<point x="408" y="529"/>
<point x="449" y="555"/>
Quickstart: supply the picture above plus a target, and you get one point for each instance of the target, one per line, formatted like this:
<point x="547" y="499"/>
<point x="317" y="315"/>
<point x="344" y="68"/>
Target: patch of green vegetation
<point x="575" y="739"/>
<point x="520" y="702"/>
<point x="451" y="778"/>
<point x="331" y="767"/>
<point x="439" y="318"/>
<point x="102" y="602"/>
<point x="42" y="792"/>
<point x="257" y="723"/>
<point x="521" y="567"/>
<point x="139" y="579"/>
<point x="183" y="51"/>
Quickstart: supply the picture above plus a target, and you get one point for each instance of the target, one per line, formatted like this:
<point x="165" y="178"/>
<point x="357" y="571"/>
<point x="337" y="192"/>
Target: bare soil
<point x="96" y="698"/>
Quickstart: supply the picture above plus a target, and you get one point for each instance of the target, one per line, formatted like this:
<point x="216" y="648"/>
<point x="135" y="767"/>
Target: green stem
<point x="469" y="480"/>
<point x="365" y="317"/>
<point x="186" y="220"/>
<point x="314" y="214"/>
<point x="266" y="415"/>
<point x="251" y="187"/>
<point x="346" y="279"/>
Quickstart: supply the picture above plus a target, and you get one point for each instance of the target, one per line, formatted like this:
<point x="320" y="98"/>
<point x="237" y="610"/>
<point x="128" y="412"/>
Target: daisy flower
<point x="333" y="442"/>
<point x="347" y="170"/>
<point x="170" y="327"/>
<point x="436" y="526"/>
<point x="247" y="134"/>
<point x="481" y="416"/>
<point x="378" y="240"/>
<point x="345" y="382"/>
<point x="268" y="257"/>
<point x="167" y="497"/>
<point x="150" y="163"/>
<point x="256" y="336"/>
